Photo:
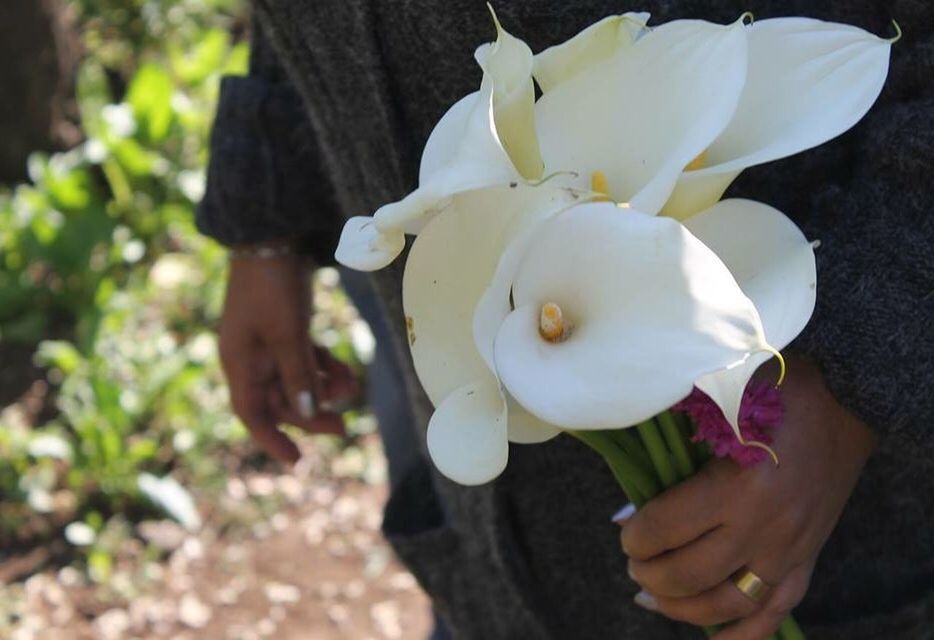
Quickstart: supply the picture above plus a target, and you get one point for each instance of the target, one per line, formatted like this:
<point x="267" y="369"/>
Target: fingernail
<point x="621" y="516"/>
<point x="646" y="601"/>
<point x="306" y="404"/>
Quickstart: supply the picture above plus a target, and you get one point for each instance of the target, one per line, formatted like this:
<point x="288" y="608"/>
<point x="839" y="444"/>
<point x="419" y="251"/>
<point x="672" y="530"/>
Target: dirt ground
<point x="309" y="564"/>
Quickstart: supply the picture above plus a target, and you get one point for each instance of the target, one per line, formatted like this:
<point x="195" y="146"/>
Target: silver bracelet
<point x="264" y="252"/>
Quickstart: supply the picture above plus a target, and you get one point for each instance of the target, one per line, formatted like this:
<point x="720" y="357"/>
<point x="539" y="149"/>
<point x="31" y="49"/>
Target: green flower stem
<point x="638" y="485"/>
<point x="684" y="423"/>
<point x="632" y="445"/>
<point x="699" y="450"/>
<point x="712" y="630"/>
<point x="677" y="444"/>
<point x="790" y="630"/>
<point x="658" y="452"/>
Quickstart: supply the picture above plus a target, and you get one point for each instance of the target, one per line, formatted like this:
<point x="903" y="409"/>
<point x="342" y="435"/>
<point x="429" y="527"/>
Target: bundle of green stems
<point x="654" y="456"/>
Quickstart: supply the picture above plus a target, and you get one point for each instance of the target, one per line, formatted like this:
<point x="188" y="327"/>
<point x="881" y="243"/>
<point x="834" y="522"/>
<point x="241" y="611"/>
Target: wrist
<point x="263" y="250"/>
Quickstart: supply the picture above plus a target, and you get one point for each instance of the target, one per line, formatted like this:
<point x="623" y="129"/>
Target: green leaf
<point x="60" y="354"/>
<point x="206" y="58"/>
<point x="100" y="565"/>
<point x="150" y="96"/>
<point x="238" y="62"/>
<point x="134" y="158"/>
<point x="71" y="190"/>
<point x="93" y="94"/>
<point x="17" y="296"/>
<point x="142" y="450"/>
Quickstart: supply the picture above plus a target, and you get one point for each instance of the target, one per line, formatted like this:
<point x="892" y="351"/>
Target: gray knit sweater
<point x="329" y="124"/>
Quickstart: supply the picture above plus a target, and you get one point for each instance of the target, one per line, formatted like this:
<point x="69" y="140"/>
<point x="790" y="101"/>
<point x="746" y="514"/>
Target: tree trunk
<point x="38" y="58"/>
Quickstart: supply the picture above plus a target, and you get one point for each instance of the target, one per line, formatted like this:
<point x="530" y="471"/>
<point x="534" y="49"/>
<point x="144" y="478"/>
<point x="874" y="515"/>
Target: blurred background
<point x="132" y="504"/>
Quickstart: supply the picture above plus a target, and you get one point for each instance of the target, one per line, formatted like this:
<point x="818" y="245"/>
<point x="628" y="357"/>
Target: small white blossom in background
<point x="192" y="184"/>
<point x="119" y="119"/>
<point x="172" y="497"/>
<point x="80" y="534"/>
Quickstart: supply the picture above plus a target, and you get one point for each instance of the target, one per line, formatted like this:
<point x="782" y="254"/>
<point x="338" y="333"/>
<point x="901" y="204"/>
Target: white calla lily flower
<point x="467" y="433"/>
<point x="486" y="139"/>
<point x="447" y="271"/>
<point x="450" y="266"/>
<point x="364" y="247"/>
<point x="532" y="309"/>
<point x="646" y="310"/>
<point x="641" y="115"/>
<point x="808" y="82"/>
<point x="596" y="43"/>
<point x="524" y="428"/>
<point x="774" y="265"/>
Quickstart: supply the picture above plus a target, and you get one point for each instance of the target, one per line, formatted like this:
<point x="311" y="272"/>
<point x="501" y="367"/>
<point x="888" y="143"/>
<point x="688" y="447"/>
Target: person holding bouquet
<point x="329" y="125"/>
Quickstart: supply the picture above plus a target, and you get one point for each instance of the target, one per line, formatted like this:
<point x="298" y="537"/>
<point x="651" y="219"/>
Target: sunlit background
<point x="132" y="504"/>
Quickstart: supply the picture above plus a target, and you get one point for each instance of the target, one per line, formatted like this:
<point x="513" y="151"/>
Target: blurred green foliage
<point x="100" y="251"/>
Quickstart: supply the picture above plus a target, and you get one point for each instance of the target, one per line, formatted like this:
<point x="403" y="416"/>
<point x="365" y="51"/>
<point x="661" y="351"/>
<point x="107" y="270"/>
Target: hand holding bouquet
<point x="574" y="268"/>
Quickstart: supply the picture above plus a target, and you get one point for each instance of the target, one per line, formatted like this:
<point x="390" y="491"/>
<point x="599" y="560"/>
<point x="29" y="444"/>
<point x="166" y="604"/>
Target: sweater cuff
<point x="264" y="181"/>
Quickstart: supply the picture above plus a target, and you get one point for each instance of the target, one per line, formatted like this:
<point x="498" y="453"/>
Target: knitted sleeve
<point x="265" y="178"/>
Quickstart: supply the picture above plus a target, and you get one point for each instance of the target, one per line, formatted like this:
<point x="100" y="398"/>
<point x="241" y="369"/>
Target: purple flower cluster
<point x="761" y="411"/>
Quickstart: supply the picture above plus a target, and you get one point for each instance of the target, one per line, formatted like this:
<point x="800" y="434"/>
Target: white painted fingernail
<point x="306" y="404"/>
<point x="621" y="516"/>
<point x="646" y="600"/>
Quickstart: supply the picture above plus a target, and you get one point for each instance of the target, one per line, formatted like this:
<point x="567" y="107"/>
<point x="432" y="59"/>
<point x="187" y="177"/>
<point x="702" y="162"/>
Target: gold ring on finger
<point x="751" y="585"/>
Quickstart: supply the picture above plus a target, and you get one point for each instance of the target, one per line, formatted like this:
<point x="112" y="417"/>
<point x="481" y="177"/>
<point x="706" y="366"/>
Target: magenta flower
<point x="761" y="412"/>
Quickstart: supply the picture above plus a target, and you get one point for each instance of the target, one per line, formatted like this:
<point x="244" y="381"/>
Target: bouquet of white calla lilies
<point x="532" y="311"/>
<point x="575" y="268"/>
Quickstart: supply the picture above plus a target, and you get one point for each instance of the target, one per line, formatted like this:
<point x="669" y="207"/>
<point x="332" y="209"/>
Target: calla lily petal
<point x="808" y="82"/>
<point x="478" y="161"/>
<point x="651" y="308"/>
<point x="450" y="266"/>
<point x="697" y="190"/>
<point x="643" y="114"/>
<point x="487" y="138"/>
<point x="467" y="433"/>
<point x="446" y="139"/>
<point x="769" y="257"/>
<point x="726" y="387"/>
<point x="774" y="265"/>
<point x="495" y="303"/>
<point x="524" y="428"/>
<point x="507" y="63"/>
<point x="363" y="247"/>
<point x="597" y="42"/>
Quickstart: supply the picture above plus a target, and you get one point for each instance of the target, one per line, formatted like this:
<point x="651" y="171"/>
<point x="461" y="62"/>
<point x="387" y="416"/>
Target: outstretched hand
<point x="685" y="544"/>
<point x="275" y="374"/>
